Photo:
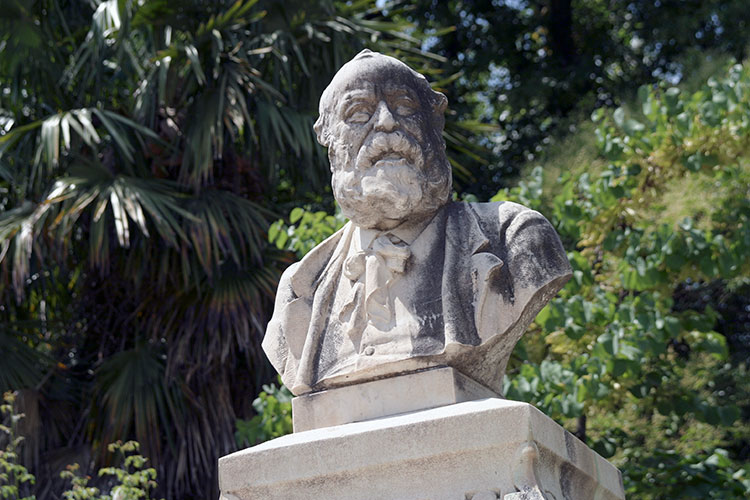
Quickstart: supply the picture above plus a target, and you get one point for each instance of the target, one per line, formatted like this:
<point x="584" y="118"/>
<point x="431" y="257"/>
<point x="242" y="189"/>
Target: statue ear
<point x="439" y="102"/>
<point x="321" y="130"/>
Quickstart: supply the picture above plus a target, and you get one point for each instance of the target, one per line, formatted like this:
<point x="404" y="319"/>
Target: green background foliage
<point x="130" y="480"/>
<point x="158" y="170"/>
<point x="642" y="375"/>
<point x="274" y="417"/>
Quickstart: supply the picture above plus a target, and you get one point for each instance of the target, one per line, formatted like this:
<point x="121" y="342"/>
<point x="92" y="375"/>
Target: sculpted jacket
<point x="480" y="273"/>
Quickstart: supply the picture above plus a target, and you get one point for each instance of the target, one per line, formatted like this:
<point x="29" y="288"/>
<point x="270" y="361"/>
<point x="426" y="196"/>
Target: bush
<point x="273" y="419"/>
<point x="130" y="481"/>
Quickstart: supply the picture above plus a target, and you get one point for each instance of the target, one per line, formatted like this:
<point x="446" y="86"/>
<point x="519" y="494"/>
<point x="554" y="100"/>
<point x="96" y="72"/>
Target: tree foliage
<point x="535" y="67"/>
<point x="129" y="481"/>
<point x="15" y="479"/>
<point x="618" y="355"/>
<point x="273" y="419"/>
<point x="145" y="147"/>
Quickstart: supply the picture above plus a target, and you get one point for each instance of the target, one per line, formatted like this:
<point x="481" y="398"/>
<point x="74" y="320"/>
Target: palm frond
<point x="22" y="366"/>
<point x="154" y="142"/>
<point x="134" y="399"/>
<point x="225" y="321"/>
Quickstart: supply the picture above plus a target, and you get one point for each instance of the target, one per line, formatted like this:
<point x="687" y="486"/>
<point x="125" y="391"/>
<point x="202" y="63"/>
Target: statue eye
<point x="405" y="107"/>
<point x="359" y="116"/>
<point x="405" y="110"/>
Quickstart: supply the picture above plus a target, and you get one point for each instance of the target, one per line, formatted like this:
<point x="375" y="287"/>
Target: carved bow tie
<point x="393" y="255"/>
<point x="386" y="257"/>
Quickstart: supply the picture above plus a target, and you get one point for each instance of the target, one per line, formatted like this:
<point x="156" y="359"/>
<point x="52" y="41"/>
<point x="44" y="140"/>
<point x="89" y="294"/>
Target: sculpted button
<point x="369" y="350"/>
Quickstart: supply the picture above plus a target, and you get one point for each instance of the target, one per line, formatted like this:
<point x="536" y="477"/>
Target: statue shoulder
<point x="525" y="238"/>
<point x="507" y="219"/>
<point x="301" y="277"/>
<point x="503" y="211"/>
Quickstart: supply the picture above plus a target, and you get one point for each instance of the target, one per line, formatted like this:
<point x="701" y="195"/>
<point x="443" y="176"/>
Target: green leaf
<point x="575" y="331"/>
<point x="694" y="162"/>
<point x="192" y="53"/>
<point x="610" y="342"/>
<point x="273" y="230"/>
<point x="672" y="100"/>
<point x="619" y="117"/>
<point x="296" y="214"/>
<point x="633" y="127"/>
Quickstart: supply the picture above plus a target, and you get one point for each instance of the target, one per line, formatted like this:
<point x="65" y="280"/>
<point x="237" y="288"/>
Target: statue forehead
<point x="368" y="88"/>
<point x="381" y="69"/>
<point x="371" y="73"/>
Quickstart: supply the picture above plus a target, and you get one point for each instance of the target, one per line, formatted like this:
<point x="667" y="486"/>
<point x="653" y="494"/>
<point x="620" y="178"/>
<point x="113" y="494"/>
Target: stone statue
<point x="414" y="280"/>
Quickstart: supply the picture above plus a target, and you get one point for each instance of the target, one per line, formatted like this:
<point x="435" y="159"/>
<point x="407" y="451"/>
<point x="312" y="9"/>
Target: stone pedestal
<point x="414" y="391"/>
<point x="475" y="450"/>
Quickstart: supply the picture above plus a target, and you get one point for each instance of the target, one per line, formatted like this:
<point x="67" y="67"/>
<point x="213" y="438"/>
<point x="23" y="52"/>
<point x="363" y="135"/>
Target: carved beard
<point x="387" y="185"/>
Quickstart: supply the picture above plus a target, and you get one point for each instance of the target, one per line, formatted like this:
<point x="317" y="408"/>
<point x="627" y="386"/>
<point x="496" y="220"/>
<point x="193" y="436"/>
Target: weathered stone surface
<point x="479" y="450"/>
<point x="378" y="398"/>
<point x="414" y="280"/>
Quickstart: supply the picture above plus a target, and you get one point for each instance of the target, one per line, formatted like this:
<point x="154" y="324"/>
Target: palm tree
<point x="144" y="149"/>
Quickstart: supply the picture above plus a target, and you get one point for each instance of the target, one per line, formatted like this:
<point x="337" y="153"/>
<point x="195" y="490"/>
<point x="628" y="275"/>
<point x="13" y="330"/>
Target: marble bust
<point x="414" y="280"/>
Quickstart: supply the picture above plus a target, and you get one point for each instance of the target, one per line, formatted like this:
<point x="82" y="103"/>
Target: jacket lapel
<point x="464" y="238"/>
<point x="319" y="283"/>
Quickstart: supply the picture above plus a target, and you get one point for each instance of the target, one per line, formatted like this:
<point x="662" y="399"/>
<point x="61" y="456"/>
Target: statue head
<point x="383" y="124"/>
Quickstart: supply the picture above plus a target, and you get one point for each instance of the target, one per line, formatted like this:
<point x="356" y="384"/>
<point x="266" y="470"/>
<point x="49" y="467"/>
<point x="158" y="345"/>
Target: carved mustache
<point x="381" y="145"/>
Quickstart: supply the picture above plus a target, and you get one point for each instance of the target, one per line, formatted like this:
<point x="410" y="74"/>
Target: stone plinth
<point x="411" y="392"/>
<point x="476" y="450"/>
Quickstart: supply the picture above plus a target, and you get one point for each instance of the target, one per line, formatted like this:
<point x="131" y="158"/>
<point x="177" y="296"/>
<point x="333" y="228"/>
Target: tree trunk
<point x="580" y="433"/>
<point x="560" y="26"/>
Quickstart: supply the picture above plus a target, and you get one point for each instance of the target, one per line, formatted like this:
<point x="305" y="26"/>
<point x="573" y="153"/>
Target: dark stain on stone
<point x="570" y="446"/>
<point x="567" y="472"/>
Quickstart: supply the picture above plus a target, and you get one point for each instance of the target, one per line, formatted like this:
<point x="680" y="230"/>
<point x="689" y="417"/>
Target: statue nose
<point x="384" y="119"/>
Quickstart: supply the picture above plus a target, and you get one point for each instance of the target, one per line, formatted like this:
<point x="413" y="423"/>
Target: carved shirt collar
<point x="408" y="233"/>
